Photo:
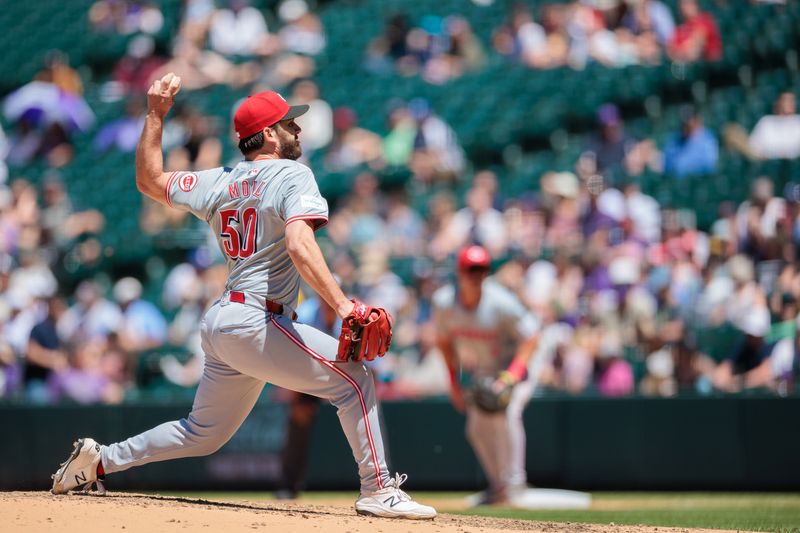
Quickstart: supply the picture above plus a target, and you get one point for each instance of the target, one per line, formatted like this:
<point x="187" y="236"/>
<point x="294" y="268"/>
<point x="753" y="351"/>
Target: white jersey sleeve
<point x="194" y="191"/>
<point x="302" y="199"/>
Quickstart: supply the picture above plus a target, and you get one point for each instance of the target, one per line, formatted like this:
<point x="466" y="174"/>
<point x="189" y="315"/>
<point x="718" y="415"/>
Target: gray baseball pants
<point x="245" y="346"/>
<point x="498" y="440"/>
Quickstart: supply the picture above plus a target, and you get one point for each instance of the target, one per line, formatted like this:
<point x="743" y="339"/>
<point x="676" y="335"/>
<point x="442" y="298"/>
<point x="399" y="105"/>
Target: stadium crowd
<point x="631" y="296"/>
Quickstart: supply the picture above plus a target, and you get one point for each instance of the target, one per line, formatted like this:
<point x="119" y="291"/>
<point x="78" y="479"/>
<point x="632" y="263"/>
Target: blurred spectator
<point x="697" y="37"/>
<point x="439" y="49"/>
<point x="614" y="374"/>
<point x="45" y="352"/>
<point x="58" y="72"/>
<point x="654" y="16"/>
<point x="86" y="380"/>
<point x="141" y="325"/>
<point x="191" y="140"/>
<point x="778" y="136"/>
<point x="398" y="144"/>
<point x="444" y="49"/>
<point x="466" y="53"/>
<point x="723" y="231"/>
<point x="441" y="210"/>
<point x="591" y="40"/>
<point x="405" y="229"/>
<point x="59" y="221"/>
<point x="610" y="143"/>
<point x="595" y="223"/>
<point x="240" y="29"/>
<point x="44" y="117"/>
<point x="389" y="47"/>
<point x="3" y="155"/>
<point x="532" y="44"/>
<point x="436" y="146"/>
<point x="123" y="133"/>
<point x="32" y="276"/>
<point x="760" y="221"/>
<point x="125" y="17"/>
<point x="358" y="224"/>
<point x="751" y="352"/>
<point x="552" y="289"/>
<point x="351" y="146"/>
<point x="135" y="71"/>
<point x="638" y="213"/>
<point x="317" y="122"/>
<point x="91" y="317"/>
<point x="281" y="69"/>
<point x="559" y="200"/>
<point x="779" y="371"/>
<point x="302" y="32"/>
<point x="22" y="218"/>
<point x="693" y="151"/>
<point x="9" y="225"/>
<point x="477" y="223"/>
<point x="201" y="68"/>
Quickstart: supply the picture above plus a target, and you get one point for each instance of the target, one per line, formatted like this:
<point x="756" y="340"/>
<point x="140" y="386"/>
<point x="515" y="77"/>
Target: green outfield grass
<point x="778" y="512"/>
<point x="736" y="511"/>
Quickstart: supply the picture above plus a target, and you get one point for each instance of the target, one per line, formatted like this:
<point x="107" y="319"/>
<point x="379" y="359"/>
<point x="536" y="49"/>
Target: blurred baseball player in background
<point x="487" y="338"/>
<point x="264" y="212"/>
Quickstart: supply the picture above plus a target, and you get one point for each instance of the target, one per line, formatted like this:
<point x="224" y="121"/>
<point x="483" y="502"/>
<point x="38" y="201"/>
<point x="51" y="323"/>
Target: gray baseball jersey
<point x="486" y="338"/>
<point x="248" y="207"/>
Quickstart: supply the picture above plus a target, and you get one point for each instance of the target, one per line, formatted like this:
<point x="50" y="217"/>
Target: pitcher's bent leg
<point x="301" y="358"/>
<point x="222" y="402"/>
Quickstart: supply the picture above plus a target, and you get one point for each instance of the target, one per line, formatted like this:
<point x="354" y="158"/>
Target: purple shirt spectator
<point x="82" y="386"/>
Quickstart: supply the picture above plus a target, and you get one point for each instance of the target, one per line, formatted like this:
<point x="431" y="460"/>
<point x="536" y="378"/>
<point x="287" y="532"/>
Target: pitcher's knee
<point x="204" y="440"/>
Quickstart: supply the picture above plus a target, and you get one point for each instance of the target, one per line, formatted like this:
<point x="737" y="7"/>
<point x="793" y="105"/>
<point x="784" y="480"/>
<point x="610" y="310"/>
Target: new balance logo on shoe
<point x="391" y="501"/>
<point x="80" y="480"/>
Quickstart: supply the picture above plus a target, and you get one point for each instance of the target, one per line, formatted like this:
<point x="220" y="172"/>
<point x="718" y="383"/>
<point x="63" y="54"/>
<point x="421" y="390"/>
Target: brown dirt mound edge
<point x="133" y="513"/>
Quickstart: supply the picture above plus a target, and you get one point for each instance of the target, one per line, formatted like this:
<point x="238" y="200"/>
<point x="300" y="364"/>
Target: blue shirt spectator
<point x="142" y="326"/>
<point x="694" y="151"/>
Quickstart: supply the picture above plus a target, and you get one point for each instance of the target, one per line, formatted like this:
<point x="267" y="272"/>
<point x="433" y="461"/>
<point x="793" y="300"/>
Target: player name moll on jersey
<point x="243" y="189"/>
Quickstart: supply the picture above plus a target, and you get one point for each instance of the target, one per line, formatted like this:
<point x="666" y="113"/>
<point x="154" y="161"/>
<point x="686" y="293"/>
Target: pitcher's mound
<point x="141" y="513"/>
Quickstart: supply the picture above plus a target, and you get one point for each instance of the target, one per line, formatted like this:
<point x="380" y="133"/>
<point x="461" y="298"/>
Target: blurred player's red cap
<point x="261" y="110"/>
<point x="473" y="256"/>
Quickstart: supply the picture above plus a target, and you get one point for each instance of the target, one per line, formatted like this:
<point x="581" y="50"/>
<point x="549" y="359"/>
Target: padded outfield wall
<point x="729" y="443"/>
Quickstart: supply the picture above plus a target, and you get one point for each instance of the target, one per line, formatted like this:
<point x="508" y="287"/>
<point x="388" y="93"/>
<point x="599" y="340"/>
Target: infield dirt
<point x="135" y="513"/>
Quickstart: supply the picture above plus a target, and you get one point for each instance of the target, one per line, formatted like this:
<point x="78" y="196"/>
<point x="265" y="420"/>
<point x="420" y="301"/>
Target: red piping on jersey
<point x="323" y="218"/>
<point x="169" y="186"/>
<point x="352" y="382"/>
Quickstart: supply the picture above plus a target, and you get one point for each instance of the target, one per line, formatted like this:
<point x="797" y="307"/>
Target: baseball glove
<point x="366" y="333"/>
<point x="492" y="395"/>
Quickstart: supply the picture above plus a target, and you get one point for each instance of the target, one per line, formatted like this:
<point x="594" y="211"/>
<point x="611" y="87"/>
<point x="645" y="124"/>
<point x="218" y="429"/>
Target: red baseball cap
<point x="262" y="110"/>
<point x="473" y="256"/>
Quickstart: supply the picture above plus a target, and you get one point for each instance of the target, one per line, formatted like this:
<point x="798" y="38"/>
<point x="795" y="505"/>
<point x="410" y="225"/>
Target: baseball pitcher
<point x="487" y="338"/>
<point x="264" y="212"/>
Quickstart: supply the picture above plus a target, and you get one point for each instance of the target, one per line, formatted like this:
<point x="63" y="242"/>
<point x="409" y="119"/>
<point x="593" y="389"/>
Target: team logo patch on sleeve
<point x="312" y="202"/>
<point x="187" y="182"/>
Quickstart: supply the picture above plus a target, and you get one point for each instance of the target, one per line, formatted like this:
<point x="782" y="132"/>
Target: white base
<point x="551" y="499"/>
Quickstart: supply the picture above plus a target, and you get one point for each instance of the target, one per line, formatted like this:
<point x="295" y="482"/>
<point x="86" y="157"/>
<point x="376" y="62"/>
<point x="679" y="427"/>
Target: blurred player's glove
<point x="366" y="333"/>
<point x="492" y="395"/>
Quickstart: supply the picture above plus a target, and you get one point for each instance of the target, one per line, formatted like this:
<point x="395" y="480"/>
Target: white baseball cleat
<point x="79" y="469"/>
<point x="391" y="502"/>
